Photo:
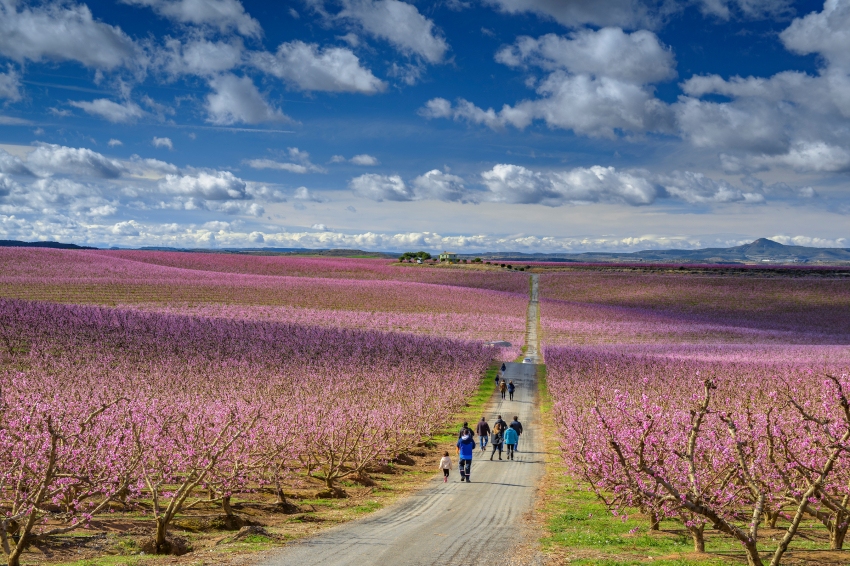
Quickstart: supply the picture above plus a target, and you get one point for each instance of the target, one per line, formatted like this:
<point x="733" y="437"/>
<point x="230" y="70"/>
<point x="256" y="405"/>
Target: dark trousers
<point x="465" y="467"/>
<point x="445" y="472"/>
<point x="512" y="395"/>
<point x="510" y="455"/>
<point x="496" y="447"/>
<point x="503" y="394"/>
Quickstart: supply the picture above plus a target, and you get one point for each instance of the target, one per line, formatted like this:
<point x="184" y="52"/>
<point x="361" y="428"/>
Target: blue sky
<point x="522" y="125"/>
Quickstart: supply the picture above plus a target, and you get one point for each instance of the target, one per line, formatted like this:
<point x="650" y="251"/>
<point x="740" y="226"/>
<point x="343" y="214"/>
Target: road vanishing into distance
<point x="480" y="523"/>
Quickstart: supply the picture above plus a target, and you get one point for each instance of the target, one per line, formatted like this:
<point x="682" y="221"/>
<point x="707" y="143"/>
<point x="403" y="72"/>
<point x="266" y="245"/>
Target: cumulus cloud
<point x="218" y="185"/>
<point x="381" y="187"/>
<point x="299" y="163"/>
<point x="624" y="13"/>
<point x="803" y="157"/>
<point x="10" y="86"/>
<point x="12" y="165"/>
<point x="305" y="66"/>
<point x="114" y="143"/>
<point x="399" y="23"/>
<point x="364" y="159"/>
<point x="226" y="15"/>
<point x="436" y="185"/>
<point x="696" y="188"/>
<point x="516" y="184"/>
<point x="149" y="168"/>
<point x="598" y="85"/>
<point x="49" y="159"/>
<point x="112" y="111"/>
<point x="198" y="57"/>
<point x="237" y="100"/>
<point x="306" y="195"/>
<point x="162" y="143"/>
<point x="725" y="9"/>
<point x="63" y="31"/>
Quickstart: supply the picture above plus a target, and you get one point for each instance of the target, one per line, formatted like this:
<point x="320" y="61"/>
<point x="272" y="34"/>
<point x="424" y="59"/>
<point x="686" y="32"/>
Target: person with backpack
<point x="446" y="466"/>
<point x="465" y="448"/>
<point x="496" y="443"/>
<point x="465" y="430"/>
<point x="511" y="438"/>
<point x="517" y="426"/>
<point x="503" y="387"/>
<point x="499" y="426"/>
<point x="511" y="389"/>
<point x="483" y="432"/>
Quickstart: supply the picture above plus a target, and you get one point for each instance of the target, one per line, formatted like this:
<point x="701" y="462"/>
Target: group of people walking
<point x="503" y="387"/>
<point x="501" y="434"/>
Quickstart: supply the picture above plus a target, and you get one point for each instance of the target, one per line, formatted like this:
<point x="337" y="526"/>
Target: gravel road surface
<point x="478" y="523"/>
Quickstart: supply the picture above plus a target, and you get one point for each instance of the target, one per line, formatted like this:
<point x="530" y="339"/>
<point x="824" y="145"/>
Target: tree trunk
<point x="697" y="534"/>
<point x="653" y="521"/>
<point x="281" y="496"/>
<point x="838" y="532"/>
<point x="225" y="505"/>
<point x="753" y="558"/>
<point x="160" y="543"/>
<point x="15" y="556"/>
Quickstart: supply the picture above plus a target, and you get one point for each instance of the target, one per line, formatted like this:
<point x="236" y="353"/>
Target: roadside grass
<point x="470" y="414"/>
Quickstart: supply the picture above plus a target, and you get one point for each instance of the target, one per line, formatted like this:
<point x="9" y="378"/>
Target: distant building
<point x="447" y="256"/>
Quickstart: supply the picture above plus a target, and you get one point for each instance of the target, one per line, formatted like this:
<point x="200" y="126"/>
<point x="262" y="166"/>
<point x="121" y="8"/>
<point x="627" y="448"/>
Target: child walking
<point x="446" y="466"/>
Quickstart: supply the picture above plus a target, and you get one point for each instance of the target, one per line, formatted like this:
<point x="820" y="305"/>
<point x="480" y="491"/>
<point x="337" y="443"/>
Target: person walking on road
<point x="498" y="376"/>
<point x="465" y="448"/>
<point x="496" y="443"/>
<point x="503" y="387"/>
<point x="517" y="426"/>
<point x="499" y="426"/>
<point x="483" y="432"/>
<point x="504" y="367"/>
<point x="465" y="430"/>
<point x="511" y="438"/>
<point x="446" y="466"/>
<point x="511" y="389"/>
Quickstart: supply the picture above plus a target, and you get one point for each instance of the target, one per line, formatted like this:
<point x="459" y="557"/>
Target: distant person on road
<point x="503" y="388"/>
<point x="517" y="426"/>
<point x="446" y="466"/>
<point x="483" y="432"/>
<point x="498" y="376"/>
<point x="465" y="448"/>
<point x="504" y="367"/>
<point x="511" y="389"/>
<point x="496" y="443"/>
<point x="511" y="438"/>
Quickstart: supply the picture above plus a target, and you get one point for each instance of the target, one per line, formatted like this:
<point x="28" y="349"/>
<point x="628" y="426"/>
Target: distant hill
<point x="759" y="252"/>
<point x="57" y="245"/>
<point x="282" y="251"/>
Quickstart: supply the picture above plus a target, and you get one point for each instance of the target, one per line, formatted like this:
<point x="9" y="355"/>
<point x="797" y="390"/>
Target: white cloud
<point x="109" y="110"/>
<point x="114" y="143"/>
<point x="7" y="185"/>
<point x="226" y="15"/>
<point x="338" y="159"/>
<point x="364" y="159"/>
<point x="307" y="67"/>
<point x="696" y="188"/>
<point x="725" y="9"/>
<point x="299" y="163"/>
<point x="305" y="194"/>
<point x="803" y="157"/>
<point x="598" y="85"/>
<point x="573" y="13"/>
<point x="265" y="193"/>
<point x="632" y="57"/>
<point x="217" y="185"/>
<point x="63" y="31"/>
<point x="436" y="185"/>
<point x="400" y="24"/>
<point x="320" y="227"/>
<point x="149" y="168"/>
<point x="381" y="187"/>
<point x="49" y="159"/>
<point x="517" y="185"/>
<point x="237" y="100"/>
<point x="162" y="143"/>
<point x="10" y="85"/>
<point x="198" y="57"/>
<point x="12" y="164"/>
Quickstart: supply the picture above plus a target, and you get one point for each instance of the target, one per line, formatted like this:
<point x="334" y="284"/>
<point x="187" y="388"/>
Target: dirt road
<point x="478" y="523"/>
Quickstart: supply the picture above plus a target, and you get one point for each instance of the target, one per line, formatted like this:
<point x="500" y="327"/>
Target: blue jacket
<point x="511" y="387"/>
<point x="511" y="436"/>
<point x="467" y="447"/>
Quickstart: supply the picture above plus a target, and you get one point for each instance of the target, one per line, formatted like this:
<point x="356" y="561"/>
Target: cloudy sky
<point x="471" y="125"/>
